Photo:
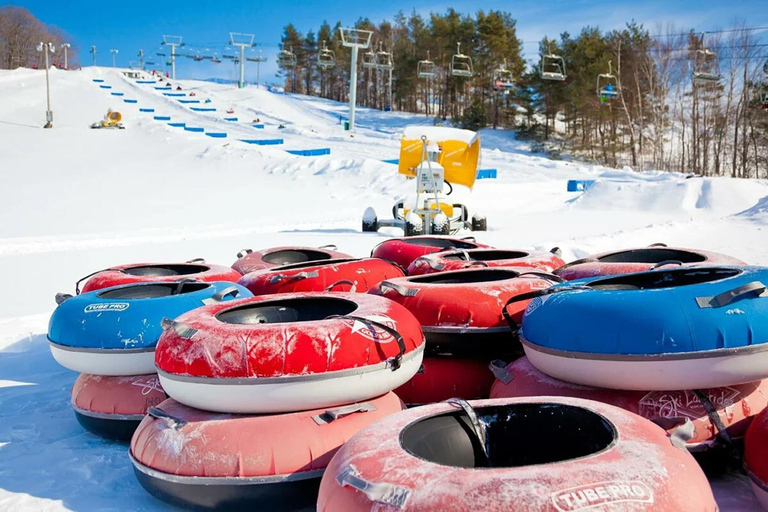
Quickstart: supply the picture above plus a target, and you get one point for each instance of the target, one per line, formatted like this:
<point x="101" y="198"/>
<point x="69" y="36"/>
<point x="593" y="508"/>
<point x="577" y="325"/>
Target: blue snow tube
<point x="685" y="328"/>
<point x="113" y="331"/>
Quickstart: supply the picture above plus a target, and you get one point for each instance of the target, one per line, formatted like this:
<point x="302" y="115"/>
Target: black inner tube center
<point x="176" y="269"/>
<point x="466" y="276"/>
<point x="652" y="255"/>
<point x="304" y="264"/>
<point x="288" y="256"/>
<point x="288" y="310"/>
<point x="153" y="291"/>
<point x="517" y="435"/>
<point x="664" y="278"/>
<point x="487" y="255"/>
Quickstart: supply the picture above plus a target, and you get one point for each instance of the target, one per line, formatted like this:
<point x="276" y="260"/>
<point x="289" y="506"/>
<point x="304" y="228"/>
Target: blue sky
<point x="128" y="26"/>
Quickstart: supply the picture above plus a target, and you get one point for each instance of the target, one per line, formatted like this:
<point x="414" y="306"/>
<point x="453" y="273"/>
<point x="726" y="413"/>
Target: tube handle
<point x="399" y="288"/>
<point x="294" y="277"/>
<point x="339" y="412"/>
<point x="353" y="286"/>
<point x="172" y="421"/>
<point x="755" y="287"/>
<point x="379" y="492"/>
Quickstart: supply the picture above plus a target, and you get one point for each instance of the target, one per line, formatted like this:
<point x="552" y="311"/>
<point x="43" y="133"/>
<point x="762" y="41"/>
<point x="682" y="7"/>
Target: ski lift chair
<point x="286" y="58"/>
<point x="369" y="60"/>
<point x="607" y="86"/>
<point x="229" y="53"/>
<point x="552" y="67"/>
<point x="384" y="60"/>
<point x="705" y="67"/>
<point x="502" y="80"/>
<point x="326" y="59"/>
<point x="461" y="65"/>
<point x="426" y="68"/>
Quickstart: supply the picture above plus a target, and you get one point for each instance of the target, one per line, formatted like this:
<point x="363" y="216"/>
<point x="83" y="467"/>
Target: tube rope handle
<point x="658" y="244"/>
<point x="714" y="416"/>
<point x="543" y="275"/>
<point x="353" y="286"/>
<point x="499" y="370"/>
<point x="172" y="421"/>
<point x="426" y="260"/>
<point x="183" y="330"/>
<point x="77" y="283"/>
<point x="532" y="295"/>
<point x="378" y="492"/>
<point x="723" y="299"/>
<point x="477" y="427"/>
<point x="329" y="247"/>
<point x="399" y="288"/>
<point x="556" y="251"/>
<point x="245" y="252"/>
<point x="61" y="297"/>
<point x="219" y="296"/>
<point x="333" y="414"/>
<point x="471" y="264"/>
<point x="394" y="362"/>
<point x="196" y="260"/>
<point x="667" y="262"/>
<point x="296" y="277"/>
<point x="181" y="283"/>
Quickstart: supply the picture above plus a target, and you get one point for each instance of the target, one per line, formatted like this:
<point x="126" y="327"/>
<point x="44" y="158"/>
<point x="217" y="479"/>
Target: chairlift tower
<point x="46" y="48"/>
<point x="355" y="39"/>
<point x="66" y="46"/>
<point x="141" y="58"/>
<point x="114" y="52"/>
<point x="242" y="41"/>
<point x="93" y="52"/>
<point x="258" y="60"/>
<point x="173" y="42"/>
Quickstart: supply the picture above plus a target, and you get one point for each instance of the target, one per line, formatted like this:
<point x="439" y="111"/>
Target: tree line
<point x="660" y="119"/>
<point x="20" y="32"/>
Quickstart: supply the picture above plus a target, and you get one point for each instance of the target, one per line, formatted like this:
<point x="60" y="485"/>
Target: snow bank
<point x="758" y="212"/>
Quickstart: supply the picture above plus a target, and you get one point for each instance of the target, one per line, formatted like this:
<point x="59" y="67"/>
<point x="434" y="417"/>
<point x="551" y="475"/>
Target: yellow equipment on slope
<point x="111" y="120"/>
<point x="434" y="156"/>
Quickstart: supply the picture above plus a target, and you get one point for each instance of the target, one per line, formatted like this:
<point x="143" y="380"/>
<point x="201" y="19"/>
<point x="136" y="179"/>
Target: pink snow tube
<point x="553" y="454"/>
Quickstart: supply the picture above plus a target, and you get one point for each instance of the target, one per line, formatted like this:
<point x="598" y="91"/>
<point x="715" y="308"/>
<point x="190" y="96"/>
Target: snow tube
<point x="157" y="272"/>
<point x="250" y="261"/>
<point x="404" y="250"/>
<point x="112" y="407"/>
<point x="689" y="328"/>
<point x="756" y="457"/>
<point x="473" y="258"/>
<point x="461" y="312"/>
<point x="640" y="260"/>
<point x="206" y="460"/>
<point x="519" y="454"/>
<point x="340" y="275"/>
<point x="289" y="353"/>
<point x="719" y="415"/>
<point x="114" y="331"/>
<point x="441" y="378"/>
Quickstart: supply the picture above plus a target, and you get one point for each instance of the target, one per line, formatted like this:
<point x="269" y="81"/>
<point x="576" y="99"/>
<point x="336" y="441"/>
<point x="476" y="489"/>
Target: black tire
<point x="370" y="222"/>
<point x="479" y="224"/>
<point x="445" y="229"/>
<point x="412" y="230"/>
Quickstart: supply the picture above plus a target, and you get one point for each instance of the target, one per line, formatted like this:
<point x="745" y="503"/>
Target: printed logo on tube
<point x="601" y="494"/>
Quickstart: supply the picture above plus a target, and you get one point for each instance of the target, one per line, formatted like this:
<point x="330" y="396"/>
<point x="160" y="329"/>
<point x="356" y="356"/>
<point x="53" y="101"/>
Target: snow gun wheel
<point x="441" y="225"/>
<point x="414" y="226"/>
<point x="479" y="223"/>
<point x="370" y="221"/>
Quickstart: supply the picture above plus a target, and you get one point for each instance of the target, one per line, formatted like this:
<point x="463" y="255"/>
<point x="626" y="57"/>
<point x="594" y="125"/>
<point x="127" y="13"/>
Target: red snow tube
<point x="734" y="405"/>
<point x="343" y="275"/>
<point x="154" y="272"/>
<point x="112" y="407"/>
<point x="756" y="457"/>
<point x="207" y="460"/>
<point x="553" y="454"/>
<point x="289" y="353"/>
<point x="461" y="312"/>
<point x="473" y="258"/>
<point x="250" y="261"/>
<point x="640" y="260"/>
<point x="441" y="378"/>
<point x="404" y="250"/>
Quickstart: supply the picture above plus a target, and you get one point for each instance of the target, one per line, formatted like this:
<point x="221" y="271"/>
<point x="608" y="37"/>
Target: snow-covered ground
<point x="73" y="200"/>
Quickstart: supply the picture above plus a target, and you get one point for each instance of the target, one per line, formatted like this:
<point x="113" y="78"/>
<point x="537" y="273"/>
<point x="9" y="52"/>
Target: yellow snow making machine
<point x="111" y="120"/>
<point x="435" y="157"/>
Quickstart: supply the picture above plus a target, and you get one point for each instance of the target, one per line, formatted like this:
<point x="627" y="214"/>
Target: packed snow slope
<point x="74" y="200"/>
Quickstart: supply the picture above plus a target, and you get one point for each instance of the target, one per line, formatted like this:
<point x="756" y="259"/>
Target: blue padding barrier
<point x="259" y="126"/>
<point x="310" y="152"/>
<point x="98" y="80"/>
<point x="130" y="101"/>
<point x="231" y="119"/>
<point x="105" y="86"/>
<point x="202" y="109"/>
<point x="163" y="88"/>
<point x="146" y="110"/>
<point x="263" y="142"/>
<point x="146" y="81"/>
<point x="189" y="101"/>
<point x="197" y="129"/>
<point x="174" y="94"/>
<point x="392" y="161"/>
<point x="579" y="185"/>
<point x="484" y="174"/>
<point x="178" y="125"/>
<point x="162" y="118"/>
<point x="117" y="93"/>
<point x="217" y="135"/>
